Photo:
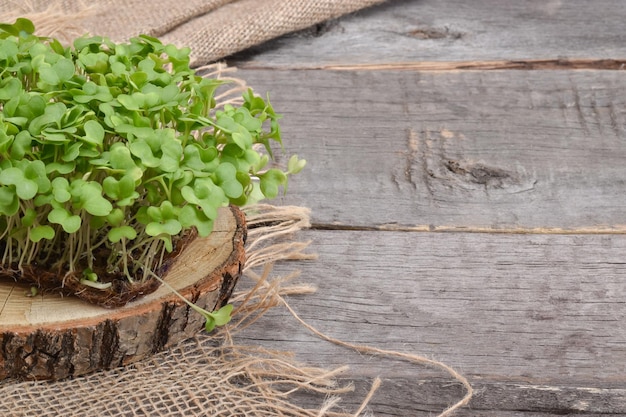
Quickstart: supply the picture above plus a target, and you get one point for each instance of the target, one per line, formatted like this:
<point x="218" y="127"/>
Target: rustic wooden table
<point x="467" y="180"/>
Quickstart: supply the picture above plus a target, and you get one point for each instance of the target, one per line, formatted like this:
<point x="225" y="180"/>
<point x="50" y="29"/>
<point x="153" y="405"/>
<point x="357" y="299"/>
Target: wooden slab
<point x="504" y="151"/>
<point x="48" y="336"/>
<point x="536" y="322"/>
<point x="433" y="31"/>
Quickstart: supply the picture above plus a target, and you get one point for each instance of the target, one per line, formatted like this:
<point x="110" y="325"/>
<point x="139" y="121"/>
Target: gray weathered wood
<point x="536" y="322"/>
<point x="401" y="136"/>
<point x="427" y="397"/>
<point x="539" y="151"/>
<point x="453" y="30"/>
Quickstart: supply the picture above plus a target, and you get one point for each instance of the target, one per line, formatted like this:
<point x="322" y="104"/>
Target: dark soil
<point x="118" y="294"/>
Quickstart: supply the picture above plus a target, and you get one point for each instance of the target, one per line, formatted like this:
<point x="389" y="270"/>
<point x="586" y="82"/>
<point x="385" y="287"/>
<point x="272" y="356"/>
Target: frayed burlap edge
<point x="274" y="292"/>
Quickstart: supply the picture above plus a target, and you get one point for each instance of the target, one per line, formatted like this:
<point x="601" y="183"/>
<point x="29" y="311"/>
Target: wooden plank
<point x="452" y="31"/>
<point x="421" y="397"/>
<point x="536" y="322"/>
<point x="515" y="151"/>
<point x="532" y="308"/>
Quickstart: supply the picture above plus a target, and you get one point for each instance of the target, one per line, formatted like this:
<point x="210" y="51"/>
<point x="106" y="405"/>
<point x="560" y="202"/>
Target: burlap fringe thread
<point x="273" y="295"/>
<point x="212" y="375"/>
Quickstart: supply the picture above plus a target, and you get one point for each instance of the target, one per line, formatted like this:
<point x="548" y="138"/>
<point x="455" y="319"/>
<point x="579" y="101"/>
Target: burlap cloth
<point x="210" y="375"/>
<point x="212" y="28"/>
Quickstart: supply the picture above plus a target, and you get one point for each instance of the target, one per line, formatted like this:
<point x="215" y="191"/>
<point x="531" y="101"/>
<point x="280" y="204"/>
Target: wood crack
<point x="411" y="154"/>
<point x="579" y="112"/>
<point x="523" y="64"/>
<point x="478" y="173"/>
<point x="395" y="227"/>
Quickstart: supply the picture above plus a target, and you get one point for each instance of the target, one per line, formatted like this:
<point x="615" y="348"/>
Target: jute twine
<point x="209" y="375"/>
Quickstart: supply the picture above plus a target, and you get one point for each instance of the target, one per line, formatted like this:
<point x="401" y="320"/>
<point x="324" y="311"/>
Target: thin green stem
<point x="196" y="308"/>
<point x="125" y="256"/>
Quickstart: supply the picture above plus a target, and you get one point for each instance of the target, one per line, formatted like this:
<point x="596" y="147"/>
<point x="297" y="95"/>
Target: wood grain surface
<point x="521" y="315"/>
<point x="467" y="180"/>
<point x="456" y="150"/>
<point x="418" y="31"/>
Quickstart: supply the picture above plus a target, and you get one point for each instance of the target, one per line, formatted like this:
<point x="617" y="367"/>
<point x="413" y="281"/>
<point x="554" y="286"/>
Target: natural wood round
<point x="52" y="337"/>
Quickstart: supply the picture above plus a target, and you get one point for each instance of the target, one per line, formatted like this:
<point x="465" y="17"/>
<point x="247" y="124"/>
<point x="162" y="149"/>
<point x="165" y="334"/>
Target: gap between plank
<point x="531" y="64"/>
<point x="615" y="230"/>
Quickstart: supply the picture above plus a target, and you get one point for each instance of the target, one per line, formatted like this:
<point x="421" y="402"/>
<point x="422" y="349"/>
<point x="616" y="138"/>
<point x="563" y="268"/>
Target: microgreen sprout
<point x="111" y="152"/>
<point x="219" y="317"/>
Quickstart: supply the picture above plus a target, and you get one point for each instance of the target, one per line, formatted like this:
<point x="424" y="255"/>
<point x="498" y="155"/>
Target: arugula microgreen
<point x="119" y="149"/>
